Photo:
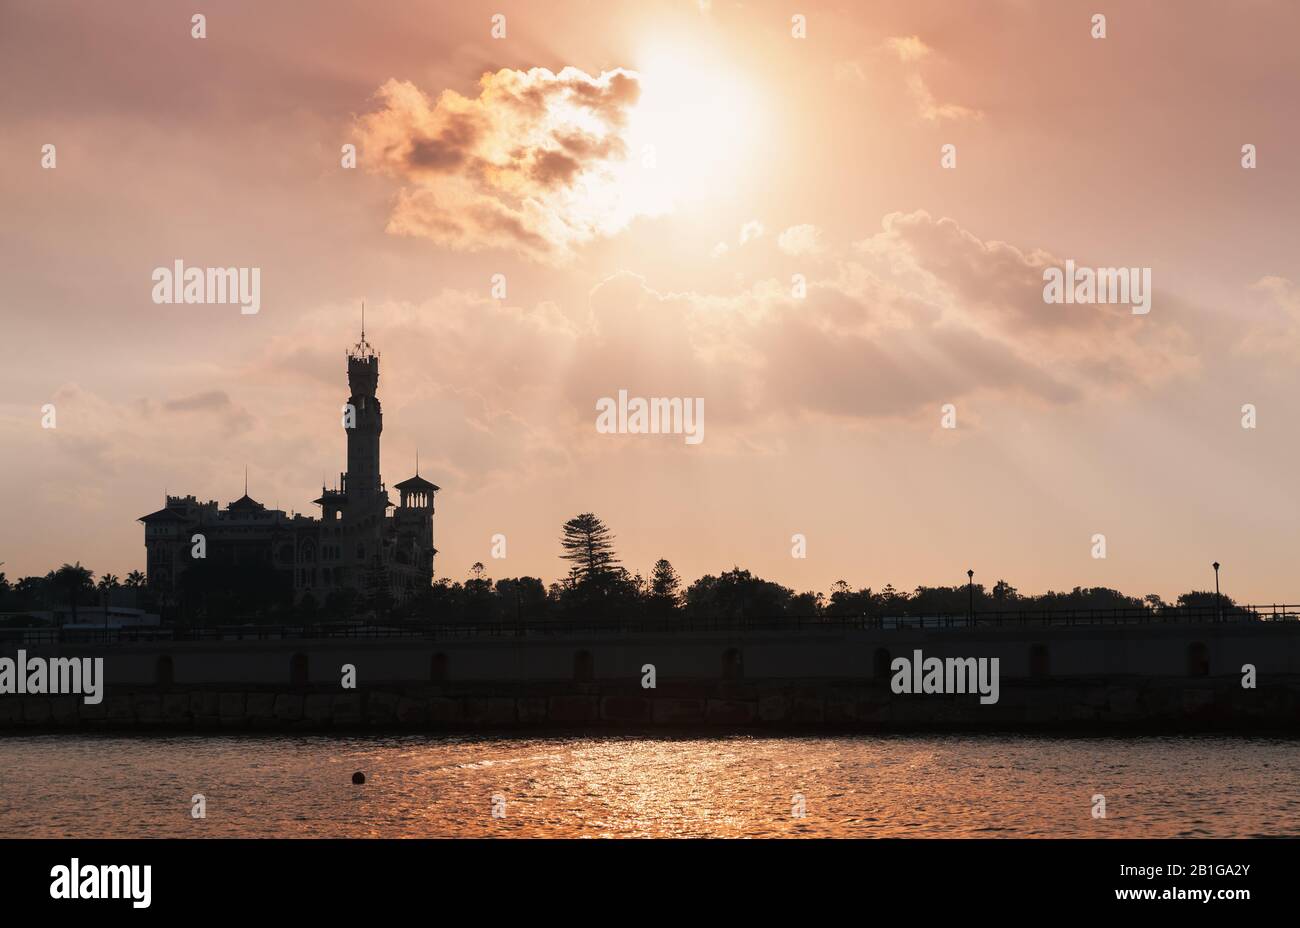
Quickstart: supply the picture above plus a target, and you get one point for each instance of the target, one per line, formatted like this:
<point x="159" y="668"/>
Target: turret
<point x="363" y="422"/>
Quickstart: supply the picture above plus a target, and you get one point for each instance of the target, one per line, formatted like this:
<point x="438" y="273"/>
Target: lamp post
<point x="1218" y="599"/>
<point x="970" y="594"/>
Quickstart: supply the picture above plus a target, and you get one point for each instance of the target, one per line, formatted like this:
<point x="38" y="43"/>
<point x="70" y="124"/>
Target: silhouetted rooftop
<point x="416" y="483"/>
<point x="245" y="503"/>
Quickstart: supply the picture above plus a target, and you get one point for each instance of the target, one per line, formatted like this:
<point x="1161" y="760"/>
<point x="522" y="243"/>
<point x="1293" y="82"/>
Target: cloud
<point x="907" y="48"/>
<point x="1276" y="332"/>
<point x="910" y="50"/>
<point x="232" y="419"/>
<point x="800" y="240"/>
<point x="750" y="231"/>
<point x="932" y="111"/>
<point x="919" y="314"/>
<point x="211" y="399"/>
<point x="996" y="288"/>
<point x="530" y="164"/>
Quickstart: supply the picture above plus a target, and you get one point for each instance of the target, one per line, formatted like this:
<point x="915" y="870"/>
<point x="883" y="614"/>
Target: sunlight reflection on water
<point x="422" y="786"/>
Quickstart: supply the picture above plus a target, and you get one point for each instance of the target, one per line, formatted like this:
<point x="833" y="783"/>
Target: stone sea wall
<point x="1060" y="704"/>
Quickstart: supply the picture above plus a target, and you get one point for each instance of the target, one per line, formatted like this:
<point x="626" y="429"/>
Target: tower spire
<point x="245" y="479"/>
<point x="362" y="349"/>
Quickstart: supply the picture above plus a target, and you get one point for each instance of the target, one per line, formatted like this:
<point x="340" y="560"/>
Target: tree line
<point x="596" y="587"/>
<point x="71" y="587"/>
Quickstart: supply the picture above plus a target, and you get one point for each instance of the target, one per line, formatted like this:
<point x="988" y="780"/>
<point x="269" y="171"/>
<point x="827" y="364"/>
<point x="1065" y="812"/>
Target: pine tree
<point x="589" y="546"/>
<point x="665" y="586"/>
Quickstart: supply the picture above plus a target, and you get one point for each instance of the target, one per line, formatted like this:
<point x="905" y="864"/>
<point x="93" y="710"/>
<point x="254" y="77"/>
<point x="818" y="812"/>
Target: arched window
<point x="163" y="671"/>
<point x="1198" y="659"/>
<point x="438" y="668"/>
<point x="733" y="667"/>
<point x="1039" y="665"/>
<point x="584" y="667"/>
<point x="880" y="664"/>
<point x="298" y="670"/>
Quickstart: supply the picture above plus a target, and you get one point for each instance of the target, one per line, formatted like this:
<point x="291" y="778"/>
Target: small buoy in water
<point x="358" y="778"/>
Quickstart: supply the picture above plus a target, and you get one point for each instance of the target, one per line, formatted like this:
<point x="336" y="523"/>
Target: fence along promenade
<point x="1173" y="615"/>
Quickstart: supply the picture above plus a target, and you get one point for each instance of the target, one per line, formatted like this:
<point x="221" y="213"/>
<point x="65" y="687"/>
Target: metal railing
<point x="1195" y="615"/>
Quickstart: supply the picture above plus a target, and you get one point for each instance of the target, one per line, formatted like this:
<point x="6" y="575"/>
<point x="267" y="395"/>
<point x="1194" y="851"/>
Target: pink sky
<point x="773" y="156"/>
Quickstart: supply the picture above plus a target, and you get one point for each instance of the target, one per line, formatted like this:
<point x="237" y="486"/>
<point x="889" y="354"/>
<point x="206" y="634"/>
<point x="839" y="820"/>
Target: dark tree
<point x="846" y="601"/>
<point x="522" y="599"/>
<point x="1207" y="601"/>
<point x="446" y="601"/>
<point x="738" y="594"/>
<point x="892" y="602"/>
<point x="1084" y="598"/>
<point x="665" y="590"/>
<point x="32" y="592"/>
<point x="1004" y="593"/>
<point x="1204" y="599"/>
<point x="74" y="582"/>
<point x="479" y="601"/>
<point x="807" y="605"/>
<point x="589" y="546"/>
<point x="945" y="600"/>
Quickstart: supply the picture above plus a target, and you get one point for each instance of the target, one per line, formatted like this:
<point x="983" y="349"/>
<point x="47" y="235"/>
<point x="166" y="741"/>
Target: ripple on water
<point x="743" y="786"/>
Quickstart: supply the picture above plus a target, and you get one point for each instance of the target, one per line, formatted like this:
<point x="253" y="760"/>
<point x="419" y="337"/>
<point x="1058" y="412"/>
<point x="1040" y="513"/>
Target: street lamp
<point x="1218" y="599"/>
<point x="970" y="593"/>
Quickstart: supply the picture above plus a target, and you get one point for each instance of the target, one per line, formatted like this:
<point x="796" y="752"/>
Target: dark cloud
<point x="449" y="149"/>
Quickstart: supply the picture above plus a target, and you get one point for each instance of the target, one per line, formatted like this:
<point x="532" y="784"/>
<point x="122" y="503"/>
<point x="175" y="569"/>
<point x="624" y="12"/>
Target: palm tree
<point x="74" y="580"/>
<point x="107" y="584"/>
<point x="136" y="580"/>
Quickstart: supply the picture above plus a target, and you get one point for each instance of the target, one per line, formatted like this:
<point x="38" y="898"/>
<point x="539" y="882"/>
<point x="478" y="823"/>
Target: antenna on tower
<point x="417" y="462"/>
<point x="362" y="349"/>
<point x="245" y="479"/>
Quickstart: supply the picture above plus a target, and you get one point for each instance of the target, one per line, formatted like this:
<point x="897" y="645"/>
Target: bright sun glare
<point x="692" y="132"/>
<point x="694" y="127"/>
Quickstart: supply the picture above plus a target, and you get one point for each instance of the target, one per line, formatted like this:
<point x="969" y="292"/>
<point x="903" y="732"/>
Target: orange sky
<point x="772" y="156"/>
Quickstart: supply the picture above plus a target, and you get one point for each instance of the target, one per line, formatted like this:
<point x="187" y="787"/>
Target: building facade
<point x="356" y="544"/>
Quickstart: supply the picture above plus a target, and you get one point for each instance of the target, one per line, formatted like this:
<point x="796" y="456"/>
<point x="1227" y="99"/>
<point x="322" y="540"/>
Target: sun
<point x="696" y="126"/>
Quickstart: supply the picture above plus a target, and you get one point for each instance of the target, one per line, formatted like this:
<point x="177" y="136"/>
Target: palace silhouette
<point x="356" y="544"/>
